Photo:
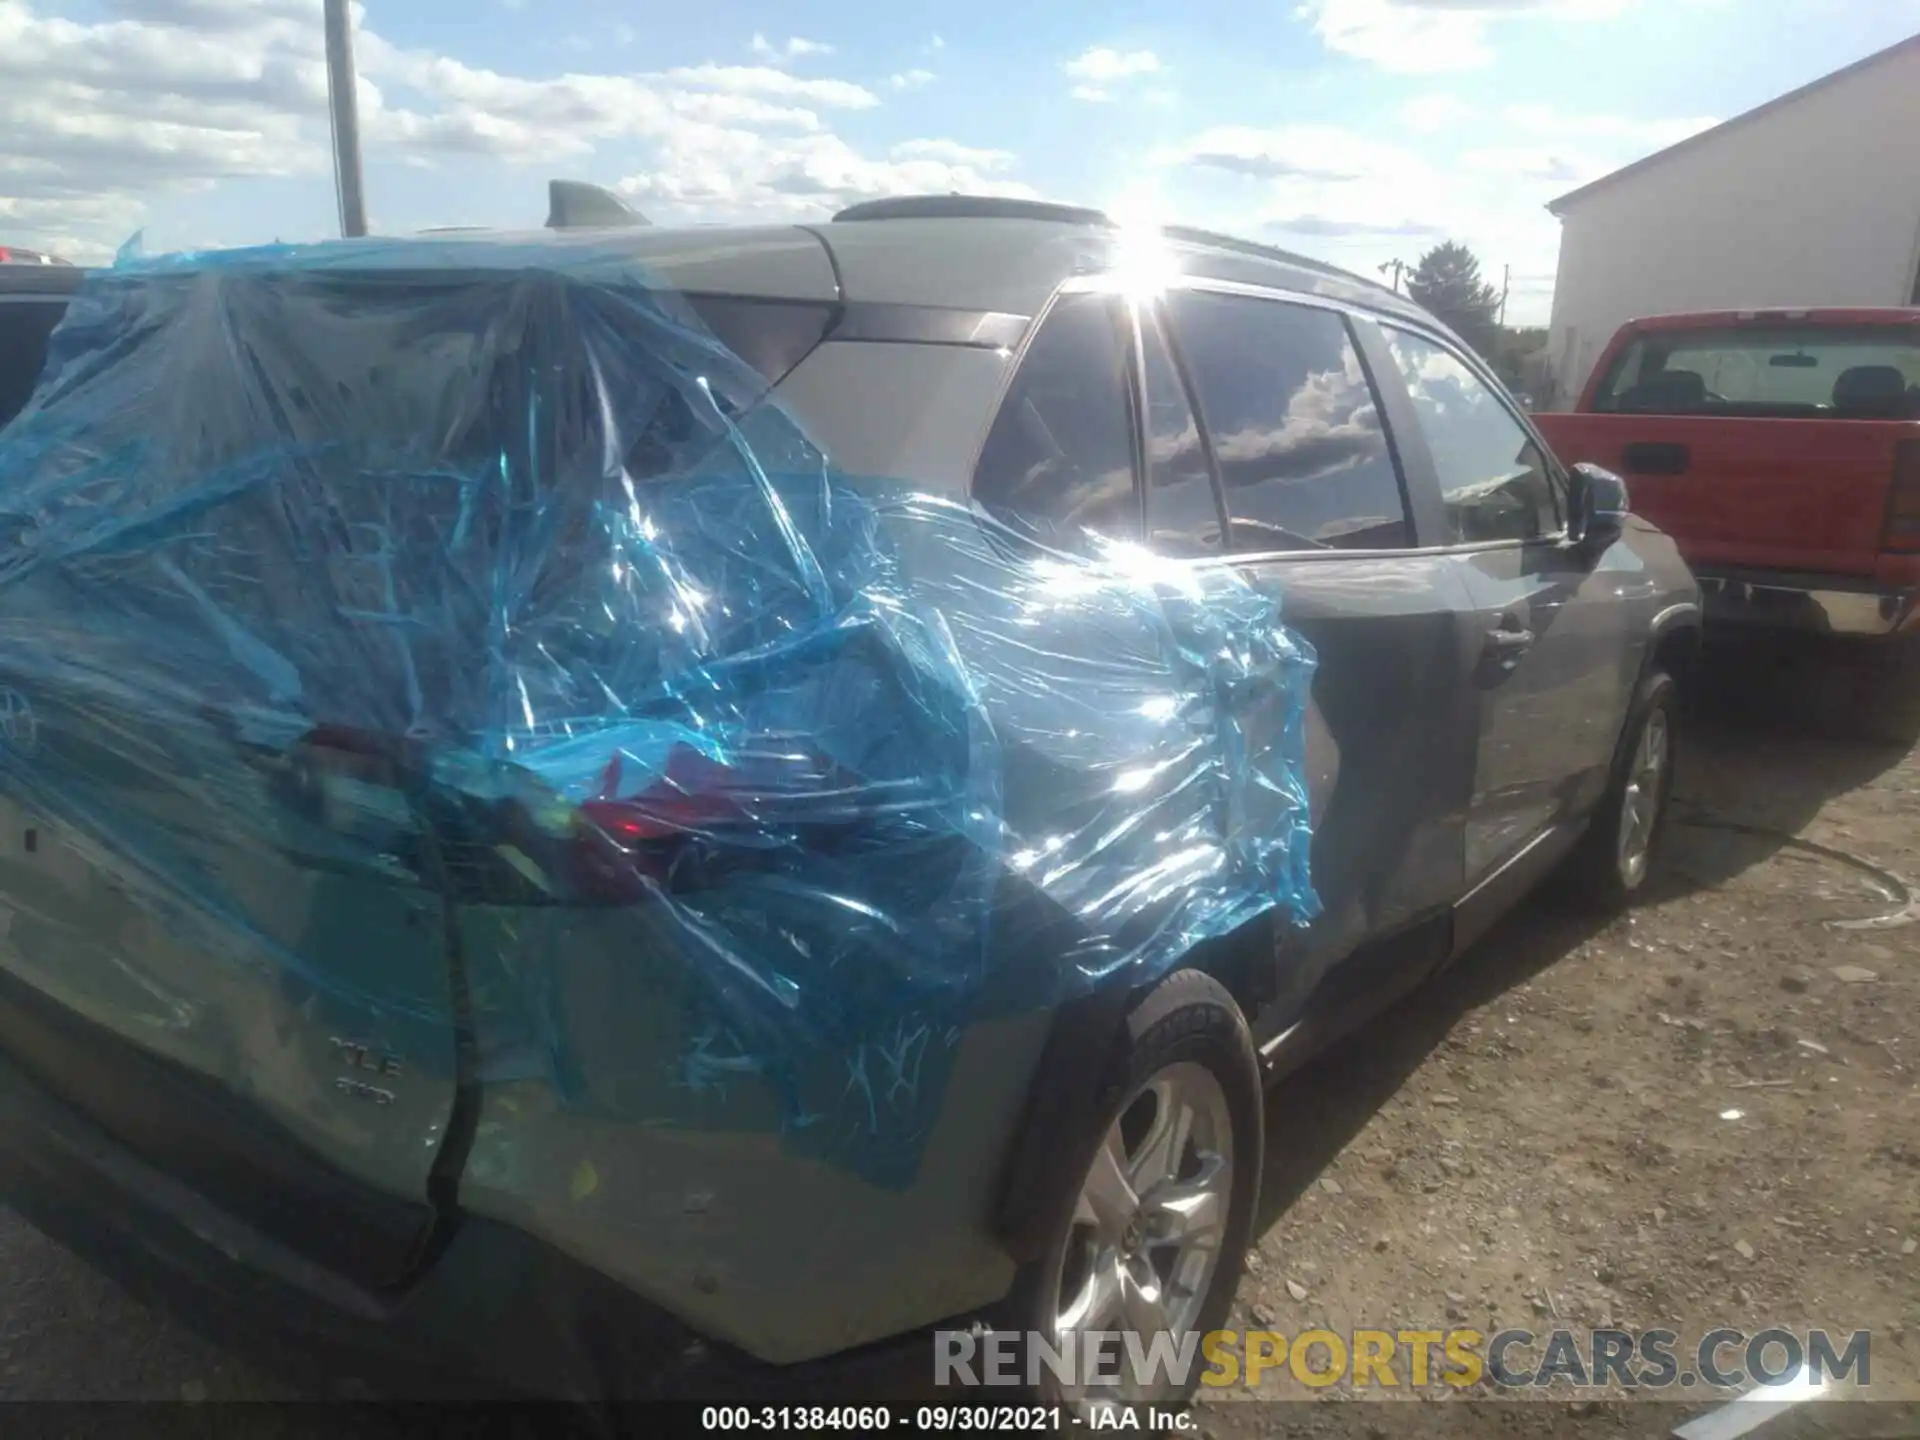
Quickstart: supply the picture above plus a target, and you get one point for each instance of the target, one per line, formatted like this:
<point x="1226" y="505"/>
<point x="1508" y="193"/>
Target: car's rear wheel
<point x="1153" y="1238"/>
<point x="1613" y="861"/>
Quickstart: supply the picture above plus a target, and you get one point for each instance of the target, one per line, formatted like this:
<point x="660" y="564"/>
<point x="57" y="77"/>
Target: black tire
<point x="1593" y="877"/>
<point x="1885" y="708"/>
<point x="1188" y="1017"/>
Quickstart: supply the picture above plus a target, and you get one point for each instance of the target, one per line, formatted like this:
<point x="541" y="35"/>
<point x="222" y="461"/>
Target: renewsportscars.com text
<point x="1504" y="1360"/>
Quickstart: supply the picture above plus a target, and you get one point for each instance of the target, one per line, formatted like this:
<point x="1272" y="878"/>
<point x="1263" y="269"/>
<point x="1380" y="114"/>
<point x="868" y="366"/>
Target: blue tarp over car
<point x="484" y="568"/>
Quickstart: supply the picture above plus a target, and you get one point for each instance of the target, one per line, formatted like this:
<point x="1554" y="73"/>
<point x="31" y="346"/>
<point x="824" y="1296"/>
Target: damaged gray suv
<point x="313" y="1013"/>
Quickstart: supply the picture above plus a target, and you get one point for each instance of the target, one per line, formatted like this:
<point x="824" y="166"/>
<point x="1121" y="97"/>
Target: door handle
<point x="1507" y="643"/>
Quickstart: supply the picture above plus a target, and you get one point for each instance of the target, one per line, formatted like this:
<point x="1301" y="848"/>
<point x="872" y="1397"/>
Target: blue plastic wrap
<point x="483" y="569"/>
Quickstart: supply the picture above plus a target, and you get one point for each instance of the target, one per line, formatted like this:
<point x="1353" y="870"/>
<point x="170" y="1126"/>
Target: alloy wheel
<point x="1147" y="1229"/>
<point x="1640" y="805"/>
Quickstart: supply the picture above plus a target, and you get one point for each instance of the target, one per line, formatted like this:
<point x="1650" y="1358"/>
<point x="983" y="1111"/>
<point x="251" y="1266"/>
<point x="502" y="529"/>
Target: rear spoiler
<point x="576" y="205"/>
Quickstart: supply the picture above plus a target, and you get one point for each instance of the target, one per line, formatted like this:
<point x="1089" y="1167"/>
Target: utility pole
<point x="1395" y="268"/>
<point x="1506" y="286"/>
<point x="345" y="106"/>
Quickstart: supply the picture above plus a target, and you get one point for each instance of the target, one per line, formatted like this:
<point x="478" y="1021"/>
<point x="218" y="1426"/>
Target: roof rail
<point x="1186" y="234"/>
<point x="998" y="207"/>
<point x="971" y="207"/>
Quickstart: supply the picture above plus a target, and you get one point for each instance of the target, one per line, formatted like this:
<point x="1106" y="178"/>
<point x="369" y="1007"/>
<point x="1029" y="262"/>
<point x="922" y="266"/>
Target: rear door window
<point x="1058" y="464"/>
<point x="1494" y="480"/>
<point x="1862" y="372"/>
<point x="1295" y="428"/>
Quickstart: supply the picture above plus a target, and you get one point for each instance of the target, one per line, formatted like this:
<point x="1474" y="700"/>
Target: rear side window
<point x="1295" y="429"/>
<point x="1860" y="372"/>
<point x="1058" y="463"/>
<point x="24" y="328"/>
<point x="1493" y="478"/>
<point x="772" y="336"/>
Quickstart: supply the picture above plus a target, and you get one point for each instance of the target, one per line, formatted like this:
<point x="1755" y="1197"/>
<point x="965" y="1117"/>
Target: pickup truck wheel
<point x="1611" y="864"/>
<point x="1154" y="1236"/>
<point x="1887" y="710"/>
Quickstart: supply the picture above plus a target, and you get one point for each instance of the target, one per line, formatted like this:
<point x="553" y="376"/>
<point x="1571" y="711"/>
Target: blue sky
<point x="1359" y="131"/>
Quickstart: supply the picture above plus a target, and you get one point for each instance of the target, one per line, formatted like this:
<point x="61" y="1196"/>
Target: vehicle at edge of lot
<point x="1781" y="451"/>
<point x="16" y="255"/>
<point x="1498" y="642"/>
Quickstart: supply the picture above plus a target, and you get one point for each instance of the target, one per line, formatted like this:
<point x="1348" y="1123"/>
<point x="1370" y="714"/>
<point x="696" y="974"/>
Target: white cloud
<point x="96" y="110"/>
<point x="1320" y="153"/>
<point x="911" y="79"/>
<point x="1101" y="64"/>
<point x="1432" y="36"/>
<point x="953" y="153"/>
<point x="796" y="48"/>
<point x="1656" y="134"/>
<point x="1429" y="114"/>
<point x="744" y="173"/>
<point x="1359" y="201"/>
<point x="761" y="80"/>
<point x="100" y="119"/>
<point x="1101" y="68"/>
<point x="1545" y="165"/>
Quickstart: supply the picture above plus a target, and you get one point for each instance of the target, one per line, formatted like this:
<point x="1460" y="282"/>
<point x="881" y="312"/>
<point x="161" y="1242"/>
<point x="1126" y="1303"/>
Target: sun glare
<point x="1143" y="264"/>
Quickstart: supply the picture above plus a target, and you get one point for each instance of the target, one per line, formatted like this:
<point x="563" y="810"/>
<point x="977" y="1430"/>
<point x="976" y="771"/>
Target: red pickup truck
<point x="1781" y="451"/>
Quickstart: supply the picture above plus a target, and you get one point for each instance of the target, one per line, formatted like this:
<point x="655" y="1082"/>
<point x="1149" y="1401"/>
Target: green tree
<point x="1447" y="281"/>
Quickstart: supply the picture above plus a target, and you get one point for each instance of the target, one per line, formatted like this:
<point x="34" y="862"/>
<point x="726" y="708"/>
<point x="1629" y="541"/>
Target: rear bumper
<point x="1807" y="604"/>
<point x="499" y="1312"/>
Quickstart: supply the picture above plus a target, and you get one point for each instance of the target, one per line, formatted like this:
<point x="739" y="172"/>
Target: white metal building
<point x="1811" y="200"/>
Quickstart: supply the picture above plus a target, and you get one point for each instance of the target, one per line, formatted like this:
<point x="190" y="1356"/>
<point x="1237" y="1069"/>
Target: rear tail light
<point x="696" y="821"/>
<point x="1902" y="531"/>
<point x="701" y="819"/>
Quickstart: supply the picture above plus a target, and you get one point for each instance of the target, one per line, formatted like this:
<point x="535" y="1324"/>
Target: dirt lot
<point x="1705" y="1115"/>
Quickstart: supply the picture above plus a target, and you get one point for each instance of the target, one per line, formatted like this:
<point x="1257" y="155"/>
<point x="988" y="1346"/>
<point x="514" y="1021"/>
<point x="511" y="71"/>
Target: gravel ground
<point x="1701" y="1115"/>
<point x="1704" y="1114"/>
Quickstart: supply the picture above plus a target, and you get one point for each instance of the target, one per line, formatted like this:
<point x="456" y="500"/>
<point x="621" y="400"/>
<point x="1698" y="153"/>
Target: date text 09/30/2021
<point x="942" y="1419"/>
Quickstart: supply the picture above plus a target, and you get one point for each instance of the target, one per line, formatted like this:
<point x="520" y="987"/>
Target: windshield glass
<point x="1854" y="372"/>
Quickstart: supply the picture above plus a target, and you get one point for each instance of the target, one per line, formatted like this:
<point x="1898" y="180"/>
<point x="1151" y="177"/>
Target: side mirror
<point x="1597" y="500"/>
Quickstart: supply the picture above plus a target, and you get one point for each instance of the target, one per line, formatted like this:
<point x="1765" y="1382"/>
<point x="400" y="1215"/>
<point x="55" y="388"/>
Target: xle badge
<point x="368" y="1062"/>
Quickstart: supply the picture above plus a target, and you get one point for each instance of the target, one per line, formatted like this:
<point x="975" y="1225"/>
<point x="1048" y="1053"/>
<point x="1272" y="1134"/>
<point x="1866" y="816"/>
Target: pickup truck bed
<point x="1782" y="453"/>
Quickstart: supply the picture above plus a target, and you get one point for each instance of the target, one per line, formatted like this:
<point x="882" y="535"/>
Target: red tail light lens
<point x="1902" y="531"/>
<point x="621" y="847"/>
<point x="696" y="820"/>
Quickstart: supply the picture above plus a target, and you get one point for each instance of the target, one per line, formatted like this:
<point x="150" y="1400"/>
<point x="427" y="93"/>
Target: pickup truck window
<point x="1860" y="372"/>
<point x="1493" y="479"/>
